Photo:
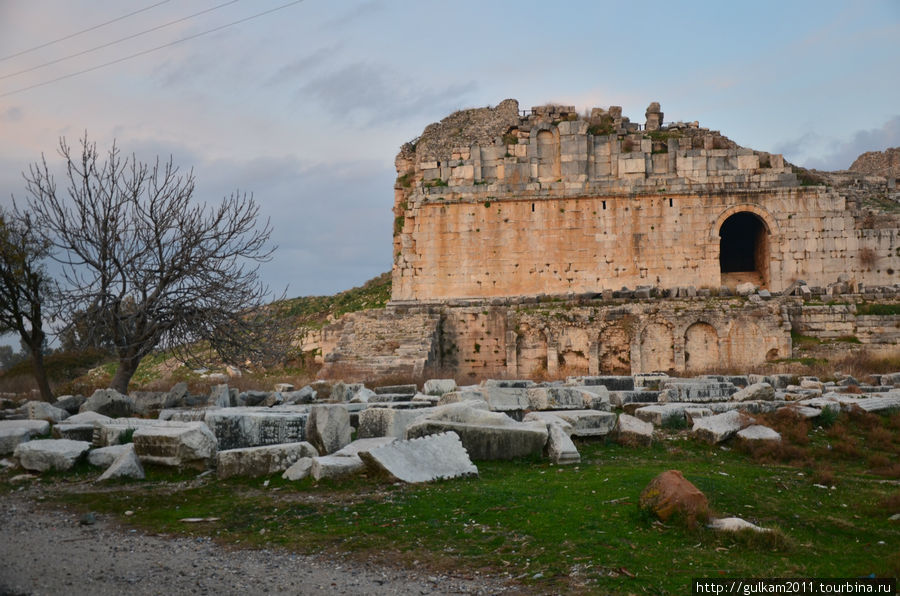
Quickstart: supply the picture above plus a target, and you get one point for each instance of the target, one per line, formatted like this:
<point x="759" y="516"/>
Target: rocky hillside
<point x="879" y="163"/>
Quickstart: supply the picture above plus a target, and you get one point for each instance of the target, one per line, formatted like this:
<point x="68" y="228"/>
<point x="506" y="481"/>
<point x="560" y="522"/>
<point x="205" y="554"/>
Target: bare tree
<point x="142" y="263"/>
<point x="24" y="288"/>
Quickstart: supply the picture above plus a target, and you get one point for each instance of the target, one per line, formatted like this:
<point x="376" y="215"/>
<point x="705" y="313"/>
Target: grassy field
<point x="564" y="529"/>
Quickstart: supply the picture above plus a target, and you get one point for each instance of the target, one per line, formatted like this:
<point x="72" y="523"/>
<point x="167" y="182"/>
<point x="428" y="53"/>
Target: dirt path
<point x="48" y="551"/>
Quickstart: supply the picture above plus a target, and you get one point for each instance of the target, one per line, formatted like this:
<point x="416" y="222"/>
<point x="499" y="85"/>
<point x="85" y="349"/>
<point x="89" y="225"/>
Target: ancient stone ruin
<point x="544" y="242"/>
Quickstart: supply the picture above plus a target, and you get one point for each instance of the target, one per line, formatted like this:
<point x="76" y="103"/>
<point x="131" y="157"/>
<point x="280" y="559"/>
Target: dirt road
<point x="48" y="551"/>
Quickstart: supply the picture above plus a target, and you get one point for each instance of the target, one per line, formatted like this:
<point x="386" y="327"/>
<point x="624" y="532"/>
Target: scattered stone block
<point x="485" y="435"/>
<point x="50" y="454"/>
<point x="79" y="427"/>
<point x="421" y="460"/>
<point x="109" y="402"/>
<point x="236" y="428"/>
<point x="633" y="431"/>
<point x="14" y="432"/>
<point x="177" y="396"/>
<point x="734" y="524"/>
<point x="611" y="382"/>
<point x="506" y="399"/>
<point x="559" y="398"/>
<point x="696" y="390"/>
<point x="126" y="465"/>
<point x="715" y="429"/>
<point x="388" y="422"/>
<point x="252" y="462"/>
<point x="306" y="395"/>
<point x="439" y="386"/>
<point x="70" y="403"/>
<point x="588" y="423"/>
<point x="285" y="387"/>
<point x="222" y="396"/>
<point x="335" y="466"/>
<point x="758" y="432"/>
<point x="105" y="456"/>
<point x="560" y="448"/>
<point x="299" y="469"/>
<point x="113" y="431"/>
<point x="41" y="410"/>
<point x="328" y="428"/>
<point x="408" y="389"/>
<point x="756" y="392"/>
<point x="190" y="444"/>
<point x="659" y="414"/>
<point x="671" y="494"/>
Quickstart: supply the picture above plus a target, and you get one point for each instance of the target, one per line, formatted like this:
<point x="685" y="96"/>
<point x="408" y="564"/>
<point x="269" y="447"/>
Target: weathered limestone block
<point x="41" y="410"/>
<point x="582" y="423"/>
<point x="335" y="466"/>
<point x="620" y="398"/>
<point x="112" y="431"/>
<point x="660" y="414"/>
<point x="126" y="465"/>
<point x="261" y="461"/>
<point x="70" y="403"/>
<point x="439" y="386"/>
<point x="757" y="432"/>
<point x="388" y="422"/>
<point x="222" y="396"/>
<point x="633" y="431"/>
<point x="421" y="460"/>
<point x="191" y="444"/>
<point x="13" y="432"/>
<point x="109" y="402"/>
<point x="105" y="456"/>
<point x="557" y="398"/>
<point x="696" y="390"/>
<point x="611" y="382"/>
<point x="50" y="454"/>
<point x="299" y="469"/>
<point x="671" y="494"/>
<point x="560" y="448"/>
<point x="506" y="399"/>
<point x="237" y="428"/>
<point x="734" y="524"/>
<point x="715" y="429"/>
<point x="328" y="428"/>
<point x="463" y="395"/>
<point x="757" y="391"/>
<point x="79" y="427"/>
<point x="485" y="435"/>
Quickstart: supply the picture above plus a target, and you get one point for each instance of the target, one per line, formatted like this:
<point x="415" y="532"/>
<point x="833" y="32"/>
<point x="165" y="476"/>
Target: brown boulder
<point x="670" y="494"/>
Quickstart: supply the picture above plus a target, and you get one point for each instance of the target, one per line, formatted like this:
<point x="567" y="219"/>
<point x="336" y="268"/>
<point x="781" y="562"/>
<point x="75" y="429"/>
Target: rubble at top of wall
<point x="553" y="149"/>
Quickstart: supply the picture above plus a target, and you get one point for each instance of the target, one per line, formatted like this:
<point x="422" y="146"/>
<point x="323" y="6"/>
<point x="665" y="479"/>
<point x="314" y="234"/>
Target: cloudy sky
<point x="307" y="105"/>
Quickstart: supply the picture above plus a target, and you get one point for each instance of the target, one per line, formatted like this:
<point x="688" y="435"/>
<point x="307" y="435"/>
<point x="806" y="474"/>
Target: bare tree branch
<point x="149" y="267"/>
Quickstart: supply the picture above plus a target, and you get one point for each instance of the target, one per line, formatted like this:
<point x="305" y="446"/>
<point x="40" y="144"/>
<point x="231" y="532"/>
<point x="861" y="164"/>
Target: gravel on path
<point x="46" y="551"/>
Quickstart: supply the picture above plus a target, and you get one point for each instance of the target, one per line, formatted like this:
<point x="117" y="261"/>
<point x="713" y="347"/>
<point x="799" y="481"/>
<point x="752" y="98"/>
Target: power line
<point x="112" y="43"/>
<point x="77" y="33"/>
<point x="177" y="41"/>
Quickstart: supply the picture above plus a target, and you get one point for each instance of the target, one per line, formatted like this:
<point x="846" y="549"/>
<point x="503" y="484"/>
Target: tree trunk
<point x="126" y="370"/>
<point x="40" y="375"/>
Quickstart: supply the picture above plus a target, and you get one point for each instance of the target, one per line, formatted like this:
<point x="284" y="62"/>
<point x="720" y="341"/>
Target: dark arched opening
<point x="743" y="249"/>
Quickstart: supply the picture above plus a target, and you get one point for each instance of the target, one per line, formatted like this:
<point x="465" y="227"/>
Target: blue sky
<point x="306" y="107"/>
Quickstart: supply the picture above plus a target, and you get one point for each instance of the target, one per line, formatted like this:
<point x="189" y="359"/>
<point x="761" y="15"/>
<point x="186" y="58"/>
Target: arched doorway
<point x="744" y="250"/>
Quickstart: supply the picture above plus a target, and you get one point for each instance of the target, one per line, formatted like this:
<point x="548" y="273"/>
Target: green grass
<point x="554" y="529"/>
<point x="868" y="308"/>
<point x="313" y="311"/>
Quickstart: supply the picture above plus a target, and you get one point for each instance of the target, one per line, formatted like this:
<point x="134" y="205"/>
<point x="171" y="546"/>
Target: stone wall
<point x="560" y="338"/>
<point x="530" y="338"/>
<point x="557" y="204"/>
